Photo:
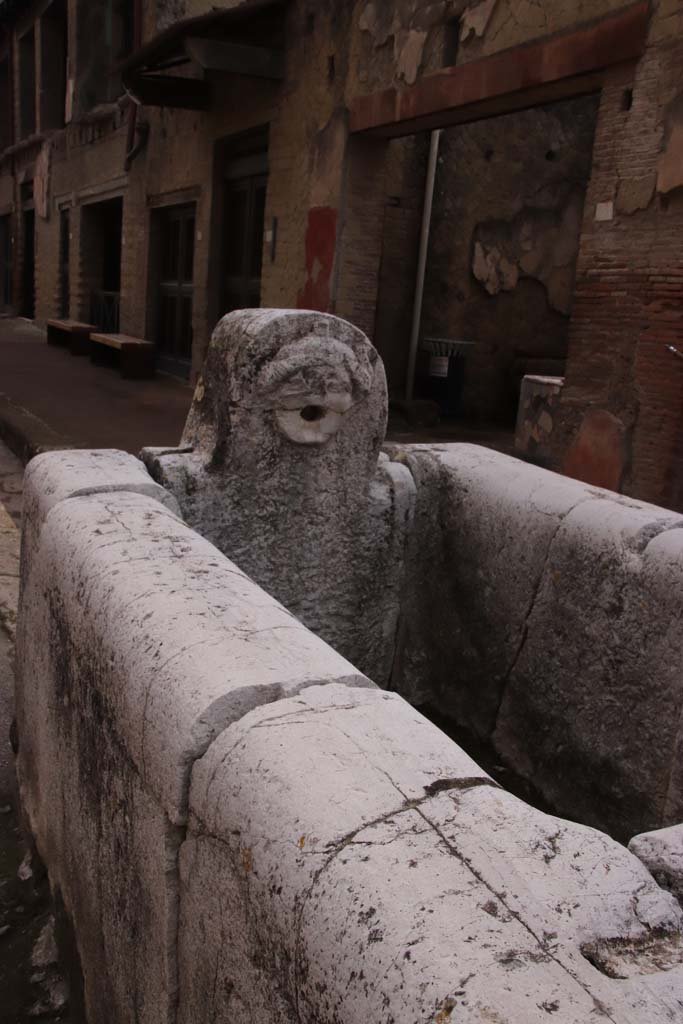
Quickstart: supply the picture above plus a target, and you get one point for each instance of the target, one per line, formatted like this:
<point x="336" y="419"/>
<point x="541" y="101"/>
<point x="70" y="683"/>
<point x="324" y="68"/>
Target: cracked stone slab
<point x="662" y="854"/>
<point x="138" y="642"/>
<point x="54" y="477"/>
<point x="177" y="641"/>
<point x="9" y="572"/>
<point x="482" y="526"/>
<point x="544" y="613"/>
<point x="11" y="482"/>
<point x="594" y="704"/>
<point x="377" y="874"/>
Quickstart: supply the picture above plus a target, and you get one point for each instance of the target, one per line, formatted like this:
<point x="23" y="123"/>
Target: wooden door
<point x="244" y="208"/>
<point x="175" y="287"/>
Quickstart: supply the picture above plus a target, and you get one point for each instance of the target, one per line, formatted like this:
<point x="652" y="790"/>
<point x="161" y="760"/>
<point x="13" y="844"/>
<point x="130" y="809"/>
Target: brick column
<point x="359" y="237"/>
<point x="621" y="417"/>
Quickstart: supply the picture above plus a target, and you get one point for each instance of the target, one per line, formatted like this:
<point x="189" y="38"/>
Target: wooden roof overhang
<point x="170" y="70"/>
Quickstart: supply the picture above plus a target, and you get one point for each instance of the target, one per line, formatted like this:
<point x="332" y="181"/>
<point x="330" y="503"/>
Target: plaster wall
<point x="506" y="220"/>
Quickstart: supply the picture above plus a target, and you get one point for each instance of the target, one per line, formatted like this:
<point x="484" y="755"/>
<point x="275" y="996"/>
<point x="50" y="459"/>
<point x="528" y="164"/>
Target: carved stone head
<point x="279" y="380"/>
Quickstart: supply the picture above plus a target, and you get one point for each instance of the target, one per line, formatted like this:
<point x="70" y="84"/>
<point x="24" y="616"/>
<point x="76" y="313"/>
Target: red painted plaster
<point x="321" y="240"/>
<point x="598" y="454"/>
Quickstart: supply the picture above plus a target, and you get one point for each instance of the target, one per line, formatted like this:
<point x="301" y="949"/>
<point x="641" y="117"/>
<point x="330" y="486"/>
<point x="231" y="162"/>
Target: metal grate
<point x="104" y="311"/>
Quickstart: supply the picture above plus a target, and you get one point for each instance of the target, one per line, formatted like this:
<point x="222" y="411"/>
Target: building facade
<point x="164" y="161"/>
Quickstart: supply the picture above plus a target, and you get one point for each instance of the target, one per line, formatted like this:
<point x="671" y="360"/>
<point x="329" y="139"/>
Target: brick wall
<point x="628" y="301"/>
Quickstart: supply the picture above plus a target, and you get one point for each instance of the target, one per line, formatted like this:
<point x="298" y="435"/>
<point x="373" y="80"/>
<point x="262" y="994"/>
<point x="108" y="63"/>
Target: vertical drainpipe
<point x="422" y="261"/>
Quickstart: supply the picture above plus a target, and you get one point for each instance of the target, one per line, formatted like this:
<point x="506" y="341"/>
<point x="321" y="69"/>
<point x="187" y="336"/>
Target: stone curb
<point x="26" y="434"/>
<point x="10" y="538"/>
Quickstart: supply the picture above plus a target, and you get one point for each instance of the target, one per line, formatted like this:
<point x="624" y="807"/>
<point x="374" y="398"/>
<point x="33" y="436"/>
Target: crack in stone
<point x="524" y="632"/>
<point x="543" y="944"/>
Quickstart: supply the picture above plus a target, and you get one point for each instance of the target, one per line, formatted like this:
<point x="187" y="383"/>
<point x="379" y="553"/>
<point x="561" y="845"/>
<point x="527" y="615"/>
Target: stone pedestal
<point x="538" y="401"/>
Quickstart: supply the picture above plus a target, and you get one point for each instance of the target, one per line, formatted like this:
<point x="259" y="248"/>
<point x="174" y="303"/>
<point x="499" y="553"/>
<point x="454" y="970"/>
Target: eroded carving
<point x="280" y="467"/>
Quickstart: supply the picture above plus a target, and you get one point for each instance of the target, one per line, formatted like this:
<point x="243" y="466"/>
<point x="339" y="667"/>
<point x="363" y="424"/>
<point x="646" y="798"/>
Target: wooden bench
<point x="71" y="333"/>
<point x="136" y="354"/>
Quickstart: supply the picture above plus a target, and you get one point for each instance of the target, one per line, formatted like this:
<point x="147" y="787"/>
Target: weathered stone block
<point x="138" y="643"/>
<point x="482" y="526"/>
<point x="592" y="708"/>
<point x="662" y="854"/>
<point x="55" y="476"/>
<point x="376" y="873"/>
<point x="544" y="613"/>
<point x="279" y="467"/>
<point x="538" y="402"/>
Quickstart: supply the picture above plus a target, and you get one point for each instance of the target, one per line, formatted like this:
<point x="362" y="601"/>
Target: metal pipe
<point x="422" y="261"/>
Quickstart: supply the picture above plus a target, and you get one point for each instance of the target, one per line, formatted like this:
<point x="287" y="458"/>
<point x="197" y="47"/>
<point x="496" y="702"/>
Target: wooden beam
<point x="236" y="59"/>
<point x="539" y="72"/>
<point x="170" y="91"/>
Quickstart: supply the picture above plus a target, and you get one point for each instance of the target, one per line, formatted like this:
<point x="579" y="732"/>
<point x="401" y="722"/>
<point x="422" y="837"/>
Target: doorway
<point x="64" y="232"/>
<point x="245" y="203"/>
<point x="5" y="262"/>
<point x="101" y="235"/>
<point x="28" y="281"/>
<point x="506" y="221"/>
<point x="173" y="230"/>
<point x="241" y="184"/>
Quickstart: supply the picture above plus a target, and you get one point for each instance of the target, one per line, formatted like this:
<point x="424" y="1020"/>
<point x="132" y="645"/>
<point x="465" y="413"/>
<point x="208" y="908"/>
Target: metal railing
<point x="104" y="311"/>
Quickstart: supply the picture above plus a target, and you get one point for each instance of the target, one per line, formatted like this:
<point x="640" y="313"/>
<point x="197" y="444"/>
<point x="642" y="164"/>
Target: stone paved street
<point x="64" y="401"/>
<point x="11" y="477"/>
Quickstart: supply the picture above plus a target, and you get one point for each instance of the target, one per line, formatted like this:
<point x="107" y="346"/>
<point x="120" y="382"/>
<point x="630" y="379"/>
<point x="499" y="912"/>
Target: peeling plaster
<point x="321" y="237"/>
<point x="475" y="19"/>
<point x="381" y="24"/>
<point x="670" y="168"/>
<point x="409" y="49"/>
<point x="414" y="28"/>
<point x="328" y="159"/>
<point x="636" y="193"/>
<point x="537" y="243"/>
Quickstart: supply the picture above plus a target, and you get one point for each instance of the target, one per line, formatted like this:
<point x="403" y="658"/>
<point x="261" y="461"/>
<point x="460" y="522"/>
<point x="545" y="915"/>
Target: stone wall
<point x="542" y="614"/>
<point x="238" y="825"/>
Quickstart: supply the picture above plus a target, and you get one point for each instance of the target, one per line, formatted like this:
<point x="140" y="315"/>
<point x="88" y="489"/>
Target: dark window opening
<point x="27" y="84"/>
<point x="53" y="59"/>
<point x="173" y="231"/>
<point x="106" y="34"/>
